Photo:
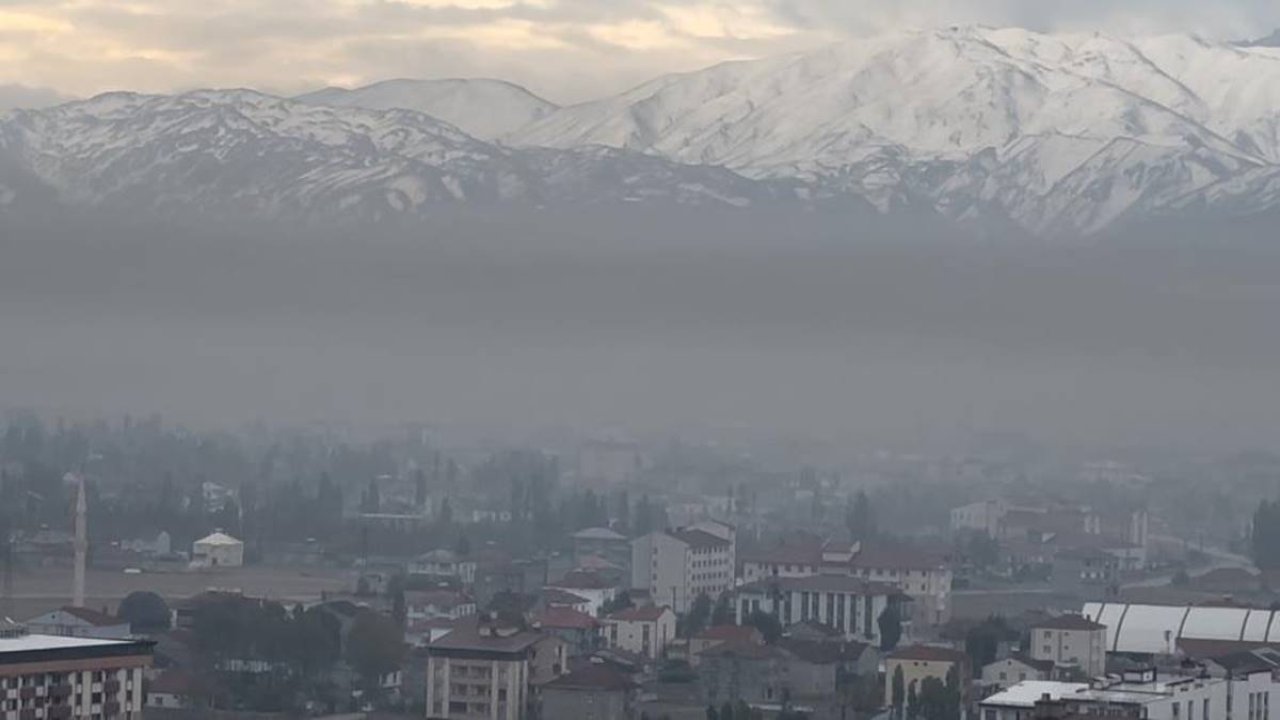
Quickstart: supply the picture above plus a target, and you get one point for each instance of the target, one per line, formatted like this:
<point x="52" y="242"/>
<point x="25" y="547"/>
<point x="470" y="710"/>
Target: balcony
<point x="60" y="692"/>
<point x="111" y="708"/>
<point x="111" y="686"/>
<point x="27" y="693"/>
<point x="58" y="712"/>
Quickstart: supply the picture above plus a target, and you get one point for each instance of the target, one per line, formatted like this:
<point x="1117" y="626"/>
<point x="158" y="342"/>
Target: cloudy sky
<point x="565" y="49"/>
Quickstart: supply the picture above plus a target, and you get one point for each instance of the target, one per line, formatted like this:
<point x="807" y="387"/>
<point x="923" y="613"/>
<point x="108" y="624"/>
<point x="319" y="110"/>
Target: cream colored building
<point x="645" y="631"/>
<point x="1071" y="641"/>
<point x="920" y="662"/>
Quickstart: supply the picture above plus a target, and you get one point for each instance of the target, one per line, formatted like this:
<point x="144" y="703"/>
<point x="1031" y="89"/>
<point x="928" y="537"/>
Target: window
<point x="1004" y="675"/>
<point x="1204" y="710"/>
<point x="1048" y="634"/>
<point x="1191" y="710"/>
<point x="1176" y="708"/>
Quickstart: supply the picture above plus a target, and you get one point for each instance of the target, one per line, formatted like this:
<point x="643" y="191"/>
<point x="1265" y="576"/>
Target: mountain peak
<point x="484" y="108"/>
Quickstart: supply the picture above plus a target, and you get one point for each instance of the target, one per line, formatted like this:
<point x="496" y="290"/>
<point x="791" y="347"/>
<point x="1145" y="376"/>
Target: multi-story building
<point x="922" y="576"/>
<point x="1071" y="642"/>
<point x="850" y="606"/>
<point x="1141" y="693"/>
<point x="644" y="631"/>
<point x="437" y="604"/>
<point x="604" y="543"/>
<point x="676" y="566"/>
<point x="443" y="564"/>
<point x="46" y="677"/>
<point x="490" y="669"/>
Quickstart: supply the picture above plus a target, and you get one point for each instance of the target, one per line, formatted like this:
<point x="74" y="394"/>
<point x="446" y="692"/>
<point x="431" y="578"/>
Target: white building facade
<point x="849" y="605"/>
<point x="679" y="565"/>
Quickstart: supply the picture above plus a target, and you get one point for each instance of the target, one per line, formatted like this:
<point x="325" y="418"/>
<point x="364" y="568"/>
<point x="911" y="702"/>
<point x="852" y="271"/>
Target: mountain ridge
<point x="1058" y="135"/>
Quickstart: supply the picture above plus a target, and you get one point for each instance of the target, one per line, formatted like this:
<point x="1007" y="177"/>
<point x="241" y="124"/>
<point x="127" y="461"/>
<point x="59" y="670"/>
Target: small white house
<point x="217" y="550"/>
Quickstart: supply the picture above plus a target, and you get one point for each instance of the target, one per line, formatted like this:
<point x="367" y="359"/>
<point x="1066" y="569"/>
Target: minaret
<point x="82" y="545"/>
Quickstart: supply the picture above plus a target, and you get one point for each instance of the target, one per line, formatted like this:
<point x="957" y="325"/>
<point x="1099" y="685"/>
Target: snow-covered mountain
<point x="1059" y="133"/>
<point x="486" y="109"/>
<point x="1056" y="134"/>
<point x="241" y="154"/>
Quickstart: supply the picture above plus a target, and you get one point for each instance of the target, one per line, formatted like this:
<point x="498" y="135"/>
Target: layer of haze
<point x="645" y="327"/>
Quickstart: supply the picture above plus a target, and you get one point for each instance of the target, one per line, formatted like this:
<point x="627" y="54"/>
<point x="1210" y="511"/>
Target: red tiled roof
<point x="740" y="649"/>
<point x="566" y="618"/>
<point x="93" y="617"/>
<point x="592" y="677"/>
<point x="644" y="614"/>
<point x="896" y="558"/>
<point x="729" y="632"/>
<point x="556" y="596"/>
<point x="929" y="653"/>
<point x="582" y="580"/>
<point x="793" y="554"/>
<point x="699" y="538"/>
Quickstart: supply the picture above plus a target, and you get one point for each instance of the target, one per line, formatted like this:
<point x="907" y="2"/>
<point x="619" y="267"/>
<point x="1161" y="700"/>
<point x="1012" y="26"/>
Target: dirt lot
<point x="37" y="591"/>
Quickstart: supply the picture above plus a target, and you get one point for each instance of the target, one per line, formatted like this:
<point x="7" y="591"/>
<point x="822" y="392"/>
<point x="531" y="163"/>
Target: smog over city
<point x="623" y="359"/>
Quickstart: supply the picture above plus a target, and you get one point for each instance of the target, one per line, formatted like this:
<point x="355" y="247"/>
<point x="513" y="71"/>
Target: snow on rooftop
<point x="1026" y="694"/>
<point x="27" y="643"/>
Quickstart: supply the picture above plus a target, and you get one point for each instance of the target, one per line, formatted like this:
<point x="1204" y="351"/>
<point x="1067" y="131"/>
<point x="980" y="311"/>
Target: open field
<point x="40" y="590"/>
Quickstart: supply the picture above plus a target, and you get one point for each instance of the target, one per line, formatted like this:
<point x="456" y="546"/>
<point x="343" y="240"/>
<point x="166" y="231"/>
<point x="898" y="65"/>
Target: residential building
<point x="721" y="634"/>
<point x="738" y="671"/>
<point x="580" y="632"/>
<point x="443" y="564"/>
<point x="217" y="550"/>
<point x="851" y="606"/>
<point x="923" y="576"/>
<point x="595" y="587"/>
<point x="79" y="622"/>
<point x="604" y="543"/>
<point x="552" y="597"/>
<point x="677" y="566"/>
<point x="820" y="670"/>
<point x="171" y="690"/>
<point x="437" y="604"/>
<point x="62" y="678"/>
<point x="1073" y="642"/>
<point x="592" y="692"/>
<point x="985" y="516"/>
<point x="920" y="662"/>
<point x="490" y="669"/>
<point x="645" y="631"/>
<point x="1142" y="693"/>
<point x="1017" y="668"/>
<point x="1090" y="573"/>
<point x="795" y="559"/>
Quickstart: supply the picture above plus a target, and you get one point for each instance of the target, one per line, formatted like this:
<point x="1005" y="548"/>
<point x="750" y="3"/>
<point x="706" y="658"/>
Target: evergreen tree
<point x="890" y="622"/>
<point x="898" y="691"/>
<point x="722" y="614"/>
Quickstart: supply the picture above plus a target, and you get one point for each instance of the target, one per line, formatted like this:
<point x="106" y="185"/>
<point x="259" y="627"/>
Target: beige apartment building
<point x="1071" y="641"/>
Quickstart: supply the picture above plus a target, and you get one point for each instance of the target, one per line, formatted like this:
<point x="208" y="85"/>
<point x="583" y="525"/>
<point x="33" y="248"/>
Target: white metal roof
<point x="24" y="643"/>
<point x="218" y="539"/>
<point x="1157" y="628"/>
<point x="1028" y="692"/>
